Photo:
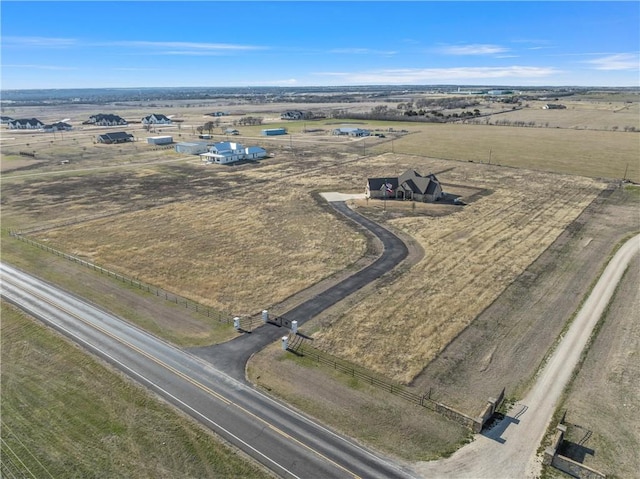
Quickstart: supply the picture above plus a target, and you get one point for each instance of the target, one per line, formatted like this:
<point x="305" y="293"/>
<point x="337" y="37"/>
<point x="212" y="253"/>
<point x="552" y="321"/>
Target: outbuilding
<point x="192" y="148"/>
<point x="160" y="140"/>
<point x="274" y="131"/>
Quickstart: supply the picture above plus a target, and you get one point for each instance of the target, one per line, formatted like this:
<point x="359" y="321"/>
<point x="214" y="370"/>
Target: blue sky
<point x="236" y="43"/>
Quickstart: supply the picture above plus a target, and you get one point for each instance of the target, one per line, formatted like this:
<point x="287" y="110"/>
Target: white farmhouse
<point x="25" y="124"/>
<point x="226" y="152"/>
<point x="156" y="119"/>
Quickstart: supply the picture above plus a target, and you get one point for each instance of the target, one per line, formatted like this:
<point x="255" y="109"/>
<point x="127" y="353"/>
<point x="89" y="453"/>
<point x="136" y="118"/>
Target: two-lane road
<point x="286" y="442"/>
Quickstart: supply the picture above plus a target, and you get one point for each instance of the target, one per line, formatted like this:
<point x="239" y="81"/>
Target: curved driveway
<point x="231" y="357"/>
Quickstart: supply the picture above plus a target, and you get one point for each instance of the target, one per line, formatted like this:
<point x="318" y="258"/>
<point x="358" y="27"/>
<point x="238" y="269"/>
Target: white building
<point x="227" y="152"/>
<point x="25" y="124"/>
<point x="192" y="148"/>
<point x="156" y="119"/>
<point x="350" y="131"/>
<point x="160" y="140"/>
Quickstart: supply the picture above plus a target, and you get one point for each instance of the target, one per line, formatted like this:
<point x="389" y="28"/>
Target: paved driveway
<point x="232" y="356"/>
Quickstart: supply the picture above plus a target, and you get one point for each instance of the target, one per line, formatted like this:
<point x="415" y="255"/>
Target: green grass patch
<point x="65" y="414"/>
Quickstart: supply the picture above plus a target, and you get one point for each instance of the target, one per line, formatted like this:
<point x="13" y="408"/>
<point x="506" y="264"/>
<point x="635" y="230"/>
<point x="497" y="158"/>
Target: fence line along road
<point x="246" y="323"/>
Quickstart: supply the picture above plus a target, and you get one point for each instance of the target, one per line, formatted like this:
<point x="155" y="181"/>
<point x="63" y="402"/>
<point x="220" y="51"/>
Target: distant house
<point x="4" y="120"/>
<point x="226" y="152"/>
<point x="554" y="106"/>
<point x="156" y="119"/>
<point x="115" y="137"/>
<point x="25" y="124"/>
<point x="292" y="115"/>
<point x="411" y="185"/>
<point x="59" y="126"/>
<point x="349" y="131"/>
<point x="274" y="131"/>
<point x="105" y="119"/>
<point x="231" y="131"/>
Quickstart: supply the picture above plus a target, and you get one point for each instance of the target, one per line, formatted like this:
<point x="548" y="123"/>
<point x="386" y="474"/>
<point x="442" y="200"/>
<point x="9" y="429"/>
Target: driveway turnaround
<point x="232" y="356"/>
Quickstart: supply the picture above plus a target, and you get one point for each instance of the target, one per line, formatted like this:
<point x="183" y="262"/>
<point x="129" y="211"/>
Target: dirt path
<point x="509" y="449"/>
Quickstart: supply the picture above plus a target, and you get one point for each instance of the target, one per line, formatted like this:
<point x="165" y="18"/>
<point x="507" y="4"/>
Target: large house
<point x="411" y="185"/>
<point x="226" y="152"/>
<point x="59" y="126"/>
<point x="115" y="137"/>
<point x="25" y="124"/>
<point x="292" y="115"/>
<point x="106" y="119"/>
<point x="350" y="131"/>
<point x="156" y="119"/>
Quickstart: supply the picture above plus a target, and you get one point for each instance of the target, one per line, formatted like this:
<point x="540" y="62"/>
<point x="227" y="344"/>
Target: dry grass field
<point x="221" y="252"/>
<point x="247" y="237"/>
<point x="470" y="258"/>
<point x="602" y="403"/>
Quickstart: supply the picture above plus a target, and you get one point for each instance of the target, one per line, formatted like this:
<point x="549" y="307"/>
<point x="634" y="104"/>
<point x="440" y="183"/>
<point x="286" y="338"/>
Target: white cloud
<point x="472" y="49"/>
<point x="183" y="47"/>
<point x="135" y="69"/>
<point x="362" y="51"/>
<point x="38" y="42"/>
<point x="442" y="75"/>
<point x="39" y="67"/>
<point x="619" y="61"/>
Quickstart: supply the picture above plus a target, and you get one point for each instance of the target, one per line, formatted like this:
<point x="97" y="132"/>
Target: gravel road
<point x="509" y="449"/>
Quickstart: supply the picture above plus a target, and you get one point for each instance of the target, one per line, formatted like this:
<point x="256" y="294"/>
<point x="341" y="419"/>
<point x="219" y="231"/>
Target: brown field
<point x="603" y="398"/>
<point x="579" y="115"/>
<point x="471" y="256"/>
<point x="248" y="237"/>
